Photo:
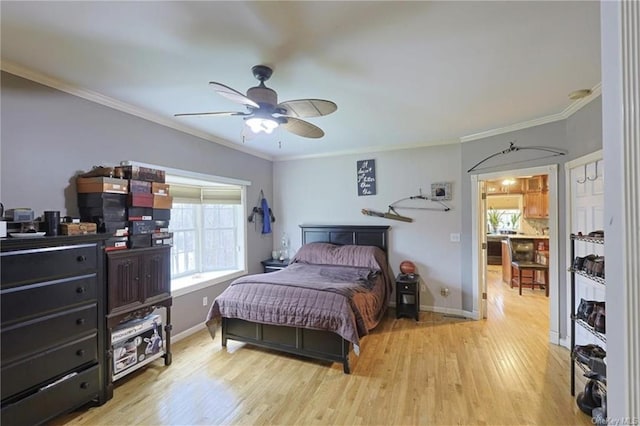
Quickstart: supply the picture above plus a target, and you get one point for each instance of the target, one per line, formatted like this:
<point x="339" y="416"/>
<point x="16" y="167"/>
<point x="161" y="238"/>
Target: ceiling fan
<point x="264" y="114"/>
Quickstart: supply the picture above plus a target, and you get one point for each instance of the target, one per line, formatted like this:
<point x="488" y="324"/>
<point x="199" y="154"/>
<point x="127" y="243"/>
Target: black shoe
<point x="585" y="353"/>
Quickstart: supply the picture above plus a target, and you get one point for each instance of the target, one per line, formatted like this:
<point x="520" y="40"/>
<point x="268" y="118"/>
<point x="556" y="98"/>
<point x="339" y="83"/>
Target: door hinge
<point x="484" y="246"/>
<point x="484" y="195"/>
<point x="484" y="296"/>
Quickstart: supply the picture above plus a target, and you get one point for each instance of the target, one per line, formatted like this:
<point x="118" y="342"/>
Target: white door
<point x="587" y="215"/>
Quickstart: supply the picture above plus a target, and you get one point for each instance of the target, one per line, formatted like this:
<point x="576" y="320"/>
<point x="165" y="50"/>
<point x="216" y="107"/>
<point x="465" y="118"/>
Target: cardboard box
<point x="140" y="213"/>
<point x="140" y="199"/>
<point x="140" y="186"/>
<point x="116" y="243"/>
<point x="102" y="184"/>
<point x="102" y="200"/>
<point x="144" y="173"/>
<point x="158" y="188"/>
<point x="78" y="228"/>
<point x="137" y="227"/>
<point x="162" y="239"/>
<point x="140" y="241"/>
<point x="136" y="343"/>
<point x="161" y="214"/>
<point x="162" y="202"/>
<point x="106" y="214"/>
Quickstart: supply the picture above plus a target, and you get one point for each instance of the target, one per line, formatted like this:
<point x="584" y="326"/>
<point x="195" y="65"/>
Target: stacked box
<point x="131" y="210"/>
<point x="136" y="343"/>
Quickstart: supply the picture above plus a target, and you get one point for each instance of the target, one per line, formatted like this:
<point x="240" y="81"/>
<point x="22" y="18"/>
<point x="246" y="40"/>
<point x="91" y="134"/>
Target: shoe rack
<point x="575" y="321"/>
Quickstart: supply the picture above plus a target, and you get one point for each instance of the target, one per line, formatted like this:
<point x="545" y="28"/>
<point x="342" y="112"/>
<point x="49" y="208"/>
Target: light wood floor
<point x="441" y="371"/>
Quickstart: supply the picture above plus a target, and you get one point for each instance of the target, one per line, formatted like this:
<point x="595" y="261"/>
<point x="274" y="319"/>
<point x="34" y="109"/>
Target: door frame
<point x="478" y="232"/>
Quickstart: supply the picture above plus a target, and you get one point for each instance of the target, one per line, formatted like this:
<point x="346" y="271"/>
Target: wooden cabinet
<point x="408" y="296"/>
<point x="536" y="198"/>
<point x="138" y="277"/>
<point x="53" y="332"/>
<point x="138" y="281"/>
<point x="506" y="262"/>
<point x="500" y="187"/>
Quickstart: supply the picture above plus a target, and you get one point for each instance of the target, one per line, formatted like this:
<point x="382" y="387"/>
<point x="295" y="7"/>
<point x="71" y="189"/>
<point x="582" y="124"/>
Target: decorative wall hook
<point x="513" y="148"/>
<point x="584" y="179"/>
<point x="596" y="176"/>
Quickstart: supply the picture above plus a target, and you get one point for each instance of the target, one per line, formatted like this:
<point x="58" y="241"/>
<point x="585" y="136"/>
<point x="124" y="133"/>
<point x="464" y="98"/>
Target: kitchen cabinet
<point x="536" y="183"/>
<point x="536" y="205"/>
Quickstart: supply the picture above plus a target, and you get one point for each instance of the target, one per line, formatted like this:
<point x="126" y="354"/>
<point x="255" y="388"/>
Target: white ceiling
<point x="402" y="73"/>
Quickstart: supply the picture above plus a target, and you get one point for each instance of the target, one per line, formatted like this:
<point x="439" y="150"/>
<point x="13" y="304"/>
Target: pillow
<point x="330" y="254"/>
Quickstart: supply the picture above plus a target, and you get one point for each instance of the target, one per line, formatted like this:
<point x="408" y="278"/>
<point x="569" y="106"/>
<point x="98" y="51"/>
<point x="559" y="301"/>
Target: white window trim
<point x="206" y="279"/>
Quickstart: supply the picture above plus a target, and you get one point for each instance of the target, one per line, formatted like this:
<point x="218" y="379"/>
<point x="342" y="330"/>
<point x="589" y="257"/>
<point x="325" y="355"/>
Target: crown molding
<point x="574" y="107"/>
<point x="98" y="98"/>
<point x="368" y="150"/>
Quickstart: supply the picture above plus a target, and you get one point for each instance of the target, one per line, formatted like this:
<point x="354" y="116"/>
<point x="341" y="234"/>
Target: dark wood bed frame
<point x="317" y="344"/>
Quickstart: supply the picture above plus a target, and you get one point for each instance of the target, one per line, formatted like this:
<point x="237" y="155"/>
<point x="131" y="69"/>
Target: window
<point x="208" y="231"/>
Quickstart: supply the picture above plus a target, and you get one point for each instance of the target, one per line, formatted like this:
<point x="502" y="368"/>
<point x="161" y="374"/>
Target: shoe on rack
<point x="584" y="309"/>
<point x="584" y="353"/>
<point x="590" y="398"/>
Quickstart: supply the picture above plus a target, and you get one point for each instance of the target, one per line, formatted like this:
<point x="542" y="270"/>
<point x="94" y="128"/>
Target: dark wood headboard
<point x="360" y="235"/>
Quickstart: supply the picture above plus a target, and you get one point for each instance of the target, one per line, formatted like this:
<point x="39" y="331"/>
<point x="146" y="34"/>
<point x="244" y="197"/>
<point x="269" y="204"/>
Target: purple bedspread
<point x="348" y="300"/>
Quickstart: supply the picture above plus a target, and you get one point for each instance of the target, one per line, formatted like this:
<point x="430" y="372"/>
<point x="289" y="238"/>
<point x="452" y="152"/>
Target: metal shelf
<point x="590" y="329"/>
<point x="599" y="280"/>
<point x="587" y="239"/>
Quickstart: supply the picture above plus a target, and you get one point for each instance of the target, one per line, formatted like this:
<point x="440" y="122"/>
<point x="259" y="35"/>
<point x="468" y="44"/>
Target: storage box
<point x="20" y="215"/>
<point x="140" y="241"/>
<point x="117" y="229"/>
<point x="140" y="213"/>
<point x="102" y="200"/>
<point x="136" y="343"/>
<point x="158" y="188"/>
<point x="107" y="214"/>
<point x="161" y="214"/>
<point x="162" y="239"/>
<point x="144" y="173"/>
<point x="102" y="184"/>
<point x="162" y="201"/>
<point x="78" y="228"/>
<point x="161" y="226"/>
<point x="140" y="186"/>
<point x="137" y="227"/>
<point x="140" y="199"/>
<point x="116" y="243"/>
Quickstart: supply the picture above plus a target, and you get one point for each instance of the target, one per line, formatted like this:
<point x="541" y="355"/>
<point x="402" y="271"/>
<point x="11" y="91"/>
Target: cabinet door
<point x="125" y="289"/>
<point x="157" y="274"/>
<point x="534" y="184"/>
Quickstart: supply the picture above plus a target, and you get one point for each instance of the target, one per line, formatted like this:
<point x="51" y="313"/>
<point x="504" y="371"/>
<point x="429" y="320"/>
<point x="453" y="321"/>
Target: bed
<point x="334" y="292"/>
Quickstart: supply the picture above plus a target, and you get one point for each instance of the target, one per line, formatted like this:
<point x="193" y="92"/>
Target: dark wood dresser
<point x="53" y="345"/>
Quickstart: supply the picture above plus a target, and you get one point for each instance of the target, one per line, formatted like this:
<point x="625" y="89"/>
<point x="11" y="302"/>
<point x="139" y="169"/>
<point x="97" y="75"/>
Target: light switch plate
<point x="455" y="238"/>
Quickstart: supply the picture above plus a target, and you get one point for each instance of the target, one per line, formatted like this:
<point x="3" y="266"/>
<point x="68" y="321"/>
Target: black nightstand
<point x="271" y="265"/>
<point x="407" y="296"/>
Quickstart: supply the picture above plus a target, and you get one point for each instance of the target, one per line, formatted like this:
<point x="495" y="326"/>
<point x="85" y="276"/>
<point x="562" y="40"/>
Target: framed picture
<point x="441" y="191"/>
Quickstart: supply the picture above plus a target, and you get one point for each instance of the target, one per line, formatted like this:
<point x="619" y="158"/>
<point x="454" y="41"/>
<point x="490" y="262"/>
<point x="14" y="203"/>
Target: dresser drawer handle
<point x="80" y="352"/>
<point x="81" y="258"/>
<point x="80" y="321"/>
<point x="80" y="290"/>
<point x="84" y="385"/>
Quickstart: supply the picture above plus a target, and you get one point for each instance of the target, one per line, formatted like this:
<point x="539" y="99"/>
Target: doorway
<point x="479" y="232"/>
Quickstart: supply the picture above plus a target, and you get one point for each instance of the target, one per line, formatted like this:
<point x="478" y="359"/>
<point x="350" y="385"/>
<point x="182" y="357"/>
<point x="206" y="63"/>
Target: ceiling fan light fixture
<point x="260" y="124"/>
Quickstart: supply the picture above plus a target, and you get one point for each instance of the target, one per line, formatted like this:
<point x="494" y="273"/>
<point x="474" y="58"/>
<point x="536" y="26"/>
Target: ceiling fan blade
<point x="302" y="128"/>
<point x="222" y="113"/>
<point x="232" y="94"/>
<point x="304" y="108"/>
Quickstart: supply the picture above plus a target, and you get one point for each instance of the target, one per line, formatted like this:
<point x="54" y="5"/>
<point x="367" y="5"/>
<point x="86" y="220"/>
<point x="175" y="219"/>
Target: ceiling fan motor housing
<point x="263" y="95"/>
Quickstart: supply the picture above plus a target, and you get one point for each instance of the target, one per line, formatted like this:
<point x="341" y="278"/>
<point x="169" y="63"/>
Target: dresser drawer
<point x="29" y="266"/>
<point x="42" y="333"/>
<point x="52" y="401"/>
<point x="20" y="303"/>
<point x="39" y="368"/>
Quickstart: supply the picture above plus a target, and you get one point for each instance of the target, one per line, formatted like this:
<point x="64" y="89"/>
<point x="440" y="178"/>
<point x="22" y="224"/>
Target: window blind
<point x="195" y="194"/>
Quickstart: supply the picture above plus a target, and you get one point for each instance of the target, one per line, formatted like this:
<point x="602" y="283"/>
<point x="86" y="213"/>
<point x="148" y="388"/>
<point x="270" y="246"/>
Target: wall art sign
<point x="441" y="191"/>
<point x="366" y="177"/>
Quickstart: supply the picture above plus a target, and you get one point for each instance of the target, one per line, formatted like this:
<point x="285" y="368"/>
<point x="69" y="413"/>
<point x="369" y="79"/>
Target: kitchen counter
<point x="514" y="236"/>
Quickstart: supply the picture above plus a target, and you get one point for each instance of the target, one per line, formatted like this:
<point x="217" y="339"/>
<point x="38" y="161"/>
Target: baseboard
<point x="565" y="343"/>
<point x="186" y="333"/>
<point x="554" y="337"/>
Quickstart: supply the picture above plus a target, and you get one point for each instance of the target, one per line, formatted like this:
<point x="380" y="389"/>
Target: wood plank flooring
<point x="439" y="371"/>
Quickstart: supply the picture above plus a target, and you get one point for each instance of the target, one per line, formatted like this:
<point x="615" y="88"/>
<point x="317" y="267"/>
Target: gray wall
<point x="324" y="191"/>
<point x="579" y="135"/>
<point x="48" y="137"/>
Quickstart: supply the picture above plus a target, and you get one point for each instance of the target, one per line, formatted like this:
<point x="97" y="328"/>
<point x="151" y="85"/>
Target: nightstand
<point x="407" y="296"/>
<point x="271" y="265"/>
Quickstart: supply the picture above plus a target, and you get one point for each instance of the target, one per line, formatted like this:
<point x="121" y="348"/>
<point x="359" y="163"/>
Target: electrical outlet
<point x="205" y="301"/>
<point x="444" y="291"/>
